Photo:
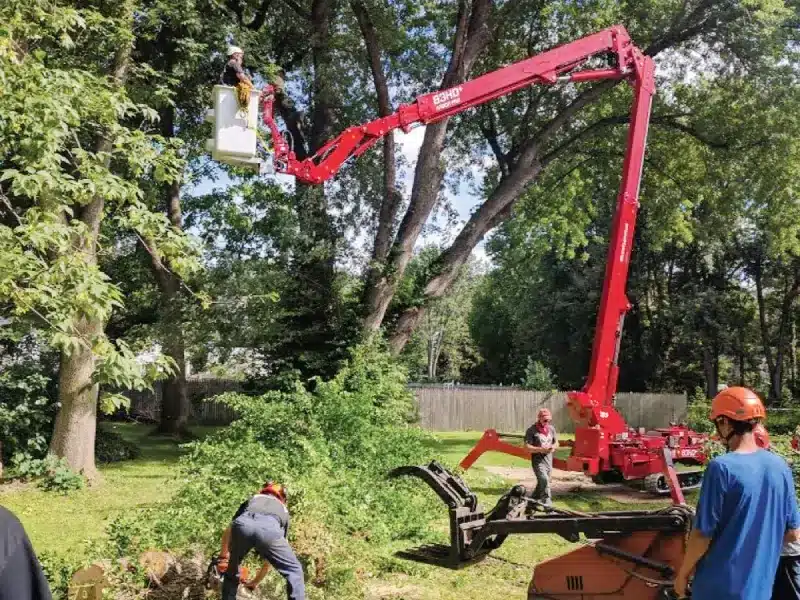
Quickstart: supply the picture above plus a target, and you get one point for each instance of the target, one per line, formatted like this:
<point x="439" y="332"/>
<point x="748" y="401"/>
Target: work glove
<point x="222" y="563"/>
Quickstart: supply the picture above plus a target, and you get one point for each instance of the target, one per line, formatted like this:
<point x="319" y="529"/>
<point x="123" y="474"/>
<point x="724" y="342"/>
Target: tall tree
<point x="532" y="130"/>
<point x="70" y="171"/>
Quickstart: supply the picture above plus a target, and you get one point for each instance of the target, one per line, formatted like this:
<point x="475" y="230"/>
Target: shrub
<point x="537" y="376"/>
<point x="27" y="410"/>
<point x="783" y="422"/>
<point x="698" y="410"/>
<point x="109" y="447"/>
<point x="51" y="473"/>
<point x="333" y="446"/>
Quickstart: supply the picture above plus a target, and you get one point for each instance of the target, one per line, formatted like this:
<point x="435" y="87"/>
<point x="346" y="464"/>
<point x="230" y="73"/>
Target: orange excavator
<point x="626" y="555"/>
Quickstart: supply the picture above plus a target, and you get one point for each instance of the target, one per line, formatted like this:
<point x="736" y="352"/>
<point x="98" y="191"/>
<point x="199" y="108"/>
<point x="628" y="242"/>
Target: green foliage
<point x="51" y="473"/>
<point x="27" y="410"/>
<point x="332" y="443"/>
<point x="698" y="410"/>
<point x="110" y="446"/>
<point x="441" y="348"/>
<point x="58" y="570"/>
<point x="74" y="153"/>
<point x="537" y="376"/>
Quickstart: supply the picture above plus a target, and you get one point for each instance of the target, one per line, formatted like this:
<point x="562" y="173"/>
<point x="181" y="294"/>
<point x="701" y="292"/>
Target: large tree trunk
<point x="175" y="405"/>
<point x="76" y="422"/>
<point x="471" y="37"/>
<point x="775" y="361"/>
<point x="390" y="203"/>
<point x="75" y="426"/>
<point x="711" y="368"/>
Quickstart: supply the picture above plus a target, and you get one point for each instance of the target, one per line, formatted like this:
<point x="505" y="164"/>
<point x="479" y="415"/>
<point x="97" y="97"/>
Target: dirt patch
<point x="10" y="487"/>
<point x="567" y="482"/>
<point x="385" y="591"/>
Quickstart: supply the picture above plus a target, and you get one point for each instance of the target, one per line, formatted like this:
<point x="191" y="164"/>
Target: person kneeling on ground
<point x="262" y="522"/>
<point x="747" y="509"/>
<point x="542" y="441"/>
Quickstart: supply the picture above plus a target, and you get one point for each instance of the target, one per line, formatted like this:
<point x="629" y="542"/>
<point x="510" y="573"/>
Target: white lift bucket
<point x="235" y="139"/>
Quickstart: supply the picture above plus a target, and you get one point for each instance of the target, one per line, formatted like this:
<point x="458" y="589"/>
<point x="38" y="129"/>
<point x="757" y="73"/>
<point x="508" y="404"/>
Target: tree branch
<point x="391" y="195"/>
<point x="490" y="133"/>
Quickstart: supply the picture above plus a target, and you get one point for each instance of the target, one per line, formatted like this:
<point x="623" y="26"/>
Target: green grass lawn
<point x="62" y="524"/>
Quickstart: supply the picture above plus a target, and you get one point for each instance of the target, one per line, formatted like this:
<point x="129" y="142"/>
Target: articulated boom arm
<point x="592" y="406"/>
<point x="546" y="68"/>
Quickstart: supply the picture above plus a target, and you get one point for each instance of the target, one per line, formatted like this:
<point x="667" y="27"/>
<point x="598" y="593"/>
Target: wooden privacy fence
<point x="443" y="407"/>
<point x="463" y="408"/>
<point x="147" y="405"/>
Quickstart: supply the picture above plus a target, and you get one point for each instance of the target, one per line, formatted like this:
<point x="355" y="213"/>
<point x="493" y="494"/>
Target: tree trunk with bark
<point x="471" y="37"/>
<point x="76" y="422"/>
<point x="789" y="294"/>
<point x="390" y="203"/>
<point x="175" y="406"/>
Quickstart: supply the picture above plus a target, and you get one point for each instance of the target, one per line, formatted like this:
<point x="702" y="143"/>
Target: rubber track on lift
<point x="689" y="480"/>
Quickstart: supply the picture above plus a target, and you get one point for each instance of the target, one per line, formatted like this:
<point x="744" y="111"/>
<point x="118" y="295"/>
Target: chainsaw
<point x="215" y="573"/>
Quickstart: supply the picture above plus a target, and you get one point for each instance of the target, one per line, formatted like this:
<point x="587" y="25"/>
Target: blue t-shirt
<point x="747" y="502"/>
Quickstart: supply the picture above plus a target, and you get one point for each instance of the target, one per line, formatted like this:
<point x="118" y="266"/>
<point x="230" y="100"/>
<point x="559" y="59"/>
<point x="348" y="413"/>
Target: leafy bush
<point x="333" y="447"/>
<point x="537" y="377"/>
<point x="109" y="446"/>
<point x="698" y="411"/>
<point x="783" y="422"/>
<point x="58" y="570"/>
<point x="27" y="410"/>
<point x="51" y="473"/>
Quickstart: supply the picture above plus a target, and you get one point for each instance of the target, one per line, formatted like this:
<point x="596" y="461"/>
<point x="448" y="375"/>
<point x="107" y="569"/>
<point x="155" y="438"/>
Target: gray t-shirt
<point x="266" y="504"/>
<point x="534" y="437"/>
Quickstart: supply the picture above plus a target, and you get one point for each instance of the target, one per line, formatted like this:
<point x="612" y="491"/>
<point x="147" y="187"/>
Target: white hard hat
<point x="234" y="50"/>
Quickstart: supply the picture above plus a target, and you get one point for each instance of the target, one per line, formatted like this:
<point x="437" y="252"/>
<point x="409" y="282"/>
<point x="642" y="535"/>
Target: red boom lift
<point x="634" y="554"/>
<point x="605" y="446"/>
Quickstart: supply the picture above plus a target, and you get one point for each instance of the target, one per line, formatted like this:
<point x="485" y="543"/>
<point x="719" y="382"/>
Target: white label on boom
<point x="447" y="98"/>
<point x="624" y="244"/>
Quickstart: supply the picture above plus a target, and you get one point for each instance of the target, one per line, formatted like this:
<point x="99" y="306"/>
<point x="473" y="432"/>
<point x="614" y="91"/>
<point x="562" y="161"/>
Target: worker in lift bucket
<point x="262" y="522"/>
<point x="541" y="439"/>
<point x="746" y="511"/>
<point x="233" y="74"/>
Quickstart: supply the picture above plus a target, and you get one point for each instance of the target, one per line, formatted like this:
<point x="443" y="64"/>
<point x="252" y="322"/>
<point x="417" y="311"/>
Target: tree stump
<point x="87" y="584"/>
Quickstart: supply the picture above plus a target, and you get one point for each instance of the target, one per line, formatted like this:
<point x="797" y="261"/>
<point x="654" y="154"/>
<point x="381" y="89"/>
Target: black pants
<point x="787" y="579"/>
<point x="265" y="535"/>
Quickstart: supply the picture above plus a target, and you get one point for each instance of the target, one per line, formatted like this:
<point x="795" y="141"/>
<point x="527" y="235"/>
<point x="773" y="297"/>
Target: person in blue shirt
<point x="747" y="510"/>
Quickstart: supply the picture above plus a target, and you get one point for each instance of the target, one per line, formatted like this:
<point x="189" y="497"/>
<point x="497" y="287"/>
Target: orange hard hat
<point x="738" y="404"/>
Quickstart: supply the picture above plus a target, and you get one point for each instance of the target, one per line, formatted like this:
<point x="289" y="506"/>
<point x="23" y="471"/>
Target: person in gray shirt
<point x="261" y="523"/>
<point x="541" y="439"/>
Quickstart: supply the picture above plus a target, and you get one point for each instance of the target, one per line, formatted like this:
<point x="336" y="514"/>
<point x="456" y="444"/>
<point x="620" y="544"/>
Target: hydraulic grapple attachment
<point x="631" y="555"/>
